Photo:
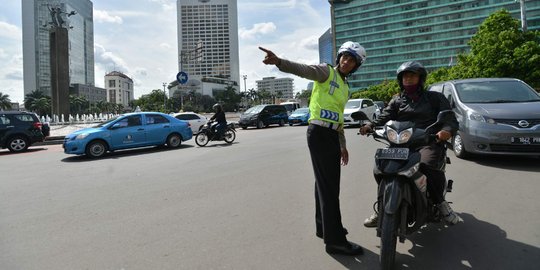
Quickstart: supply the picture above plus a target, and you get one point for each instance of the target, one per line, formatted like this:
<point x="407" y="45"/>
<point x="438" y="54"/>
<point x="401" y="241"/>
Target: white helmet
<point x="355" y="49"/>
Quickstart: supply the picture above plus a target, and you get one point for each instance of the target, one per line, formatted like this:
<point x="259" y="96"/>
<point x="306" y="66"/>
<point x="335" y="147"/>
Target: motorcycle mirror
<point x="359" y="115"/>
<point x="445" y="116"/>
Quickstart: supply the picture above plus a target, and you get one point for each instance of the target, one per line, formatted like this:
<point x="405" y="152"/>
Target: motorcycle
<point x="403" y="203"/>
<point x="209" y="133"/>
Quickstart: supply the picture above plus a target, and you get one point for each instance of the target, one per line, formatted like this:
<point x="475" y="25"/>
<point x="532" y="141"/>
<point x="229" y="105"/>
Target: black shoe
<point x="320" y="235"/>
<point x="346" y="249"/>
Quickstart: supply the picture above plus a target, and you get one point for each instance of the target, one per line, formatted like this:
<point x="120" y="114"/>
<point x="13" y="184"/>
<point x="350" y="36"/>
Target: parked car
<point x="360" y="104"/>
<point x="378" y="110"/>
<point x="299" y="116"/>
<point x="19" y="130"/>
<point x="380" y="104"/>
<point x="496" y="116"/>
<point x="263" y="115"/>
<point x="196" y="120"/>
<point x="128" y="131"/>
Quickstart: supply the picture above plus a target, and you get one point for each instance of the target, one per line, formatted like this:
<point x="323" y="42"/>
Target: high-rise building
<point x="208" y="42"/>
<point x="432" y="32"/>
<point x="119" y="88"/>
<point x="326" y="48"/>
<point x="36" y="23"/>
<point x="279" y="87"/>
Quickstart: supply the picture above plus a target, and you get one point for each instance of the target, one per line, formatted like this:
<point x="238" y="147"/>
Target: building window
<point x="112" y="83"/>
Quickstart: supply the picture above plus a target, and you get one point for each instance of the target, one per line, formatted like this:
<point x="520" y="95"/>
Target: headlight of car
<point x="400" y="138"/>
<point x="81" y="136"/>
<point x="480" y="118"/>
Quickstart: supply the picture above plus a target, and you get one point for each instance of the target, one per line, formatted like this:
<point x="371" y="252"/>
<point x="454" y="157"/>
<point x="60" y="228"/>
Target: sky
<point x="139" y="38"/>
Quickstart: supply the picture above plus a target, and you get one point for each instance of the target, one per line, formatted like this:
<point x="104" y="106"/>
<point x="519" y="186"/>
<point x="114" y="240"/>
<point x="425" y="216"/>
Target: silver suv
<point x="495" y="115"/>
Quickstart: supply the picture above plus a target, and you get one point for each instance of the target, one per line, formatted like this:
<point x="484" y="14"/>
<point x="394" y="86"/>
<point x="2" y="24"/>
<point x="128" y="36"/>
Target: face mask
<point x="411" y="91"/>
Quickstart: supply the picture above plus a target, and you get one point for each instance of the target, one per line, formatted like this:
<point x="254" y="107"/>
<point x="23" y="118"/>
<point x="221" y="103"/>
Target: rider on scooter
<point x="421" y="107"/>
<point x="219" y="116"/>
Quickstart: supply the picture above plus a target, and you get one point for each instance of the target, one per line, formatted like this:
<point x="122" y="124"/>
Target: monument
<point x="59" y="52"/>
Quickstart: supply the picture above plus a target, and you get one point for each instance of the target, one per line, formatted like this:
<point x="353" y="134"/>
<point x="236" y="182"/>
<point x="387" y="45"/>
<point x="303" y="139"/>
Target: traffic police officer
<point x="325" y="137"/>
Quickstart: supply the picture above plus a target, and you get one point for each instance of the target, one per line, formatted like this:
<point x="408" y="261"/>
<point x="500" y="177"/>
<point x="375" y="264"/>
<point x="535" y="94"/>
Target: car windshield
<point x="301" y="111"/>
<point x="352" y="104"/>
<point x="256" y="109"/>
<point x="108" y="121"/>
<point x="495" y="92"/>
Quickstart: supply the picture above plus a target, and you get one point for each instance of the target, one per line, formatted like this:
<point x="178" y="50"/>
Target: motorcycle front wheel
<point x="229" y="136"/>
<point x="202" y="139"/>
<point x="388" y="241"/>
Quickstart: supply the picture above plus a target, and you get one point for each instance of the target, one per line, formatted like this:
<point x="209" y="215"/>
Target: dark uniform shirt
<point x="219" y="117"/>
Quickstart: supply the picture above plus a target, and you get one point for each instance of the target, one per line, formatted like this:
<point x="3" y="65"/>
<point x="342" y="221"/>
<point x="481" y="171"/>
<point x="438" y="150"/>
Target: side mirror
<point x="445" y="116"/>
<point x="359" y="115"/>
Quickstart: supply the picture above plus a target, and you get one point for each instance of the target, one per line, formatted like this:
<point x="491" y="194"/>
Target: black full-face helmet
<point x="414" y="67"/>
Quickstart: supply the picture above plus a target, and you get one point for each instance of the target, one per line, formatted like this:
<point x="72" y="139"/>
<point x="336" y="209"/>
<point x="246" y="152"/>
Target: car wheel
<point x="281" y="122"/>
<point x="18" y="144"/>
<point x="174" y="140"/>
<point x="260" y="124"/>
<point x="459" y="148"/>
<point x="290" y="124"/>
<point x="244" y="127"/>
<point x="96" y="149"/>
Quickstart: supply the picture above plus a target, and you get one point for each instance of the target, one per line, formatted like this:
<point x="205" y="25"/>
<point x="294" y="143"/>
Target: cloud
<point x="166" y="46"/>
<point x="104" y="17"/>
<point x="310" y="43"/>
<point x="14" y="75"/>
<point x="258" y="28"/>
<point x="108" y="60"/>
<point x="10" y="31"/>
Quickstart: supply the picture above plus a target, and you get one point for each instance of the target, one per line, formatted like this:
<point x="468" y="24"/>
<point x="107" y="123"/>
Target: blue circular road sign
<point x="182" y="77"/>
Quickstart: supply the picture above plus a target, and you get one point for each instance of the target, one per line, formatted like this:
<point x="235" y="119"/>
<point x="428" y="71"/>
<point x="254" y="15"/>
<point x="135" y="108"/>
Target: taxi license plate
<point x="525" y="140"/>
<point x="392" y="153"/>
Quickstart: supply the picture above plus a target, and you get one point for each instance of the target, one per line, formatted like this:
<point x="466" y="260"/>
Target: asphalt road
<point x="245" y="206"/>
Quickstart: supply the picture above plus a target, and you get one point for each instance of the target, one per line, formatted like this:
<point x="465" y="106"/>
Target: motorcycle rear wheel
<point x="229" y="136"/>
<point x="388" y="241"/>
<point x="202" y="139"/>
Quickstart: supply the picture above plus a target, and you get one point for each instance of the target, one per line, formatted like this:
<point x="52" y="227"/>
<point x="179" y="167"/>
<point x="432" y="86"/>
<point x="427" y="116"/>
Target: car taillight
<point x="37" y="125"/>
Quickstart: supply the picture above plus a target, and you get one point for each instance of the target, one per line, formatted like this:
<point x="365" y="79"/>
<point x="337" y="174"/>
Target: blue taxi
<point x="299" y="116"/>
<point x="128" y="131"/>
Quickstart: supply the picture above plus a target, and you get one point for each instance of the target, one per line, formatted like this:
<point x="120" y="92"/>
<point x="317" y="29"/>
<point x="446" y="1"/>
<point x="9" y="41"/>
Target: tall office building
<point x="119" y="88"/>
<point x="208" y="42"/>
<point x="36" y="18"/>
<point x="432" y="32"/>
<point x="326" y="48"/>
<point x="278" y="87"/>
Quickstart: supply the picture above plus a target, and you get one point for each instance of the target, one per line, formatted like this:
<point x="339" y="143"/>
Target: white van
<point x="290" y="106"/>
<point x="359" y="104"/>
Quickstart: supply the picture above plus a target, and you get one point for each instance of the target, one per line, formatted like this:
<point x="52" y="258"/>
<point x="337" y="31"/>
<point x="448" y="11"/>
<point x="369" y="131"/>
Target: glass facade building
<point x="326" y="46"/>
<point x="433" y="32"/>
<point x="36" y="23"/>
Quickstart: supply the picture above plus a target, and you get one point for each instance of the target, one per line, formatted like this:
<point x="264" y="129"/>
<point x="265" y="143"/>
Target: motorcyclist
<point x="415" y="104"/>
<point x="219" y="117"/>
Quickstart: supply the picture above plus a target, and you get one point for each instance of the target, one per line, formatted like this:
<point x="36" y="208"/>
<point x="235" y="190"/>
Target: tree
<point x="29" y="99"/>
<point x="42" y="106"/>
<point x="501" y="49"/>
<point x="383" y="91"/>
<point x="228" y="98"/>
<point x="77" y="104"/>
<point x="5" y="102"/>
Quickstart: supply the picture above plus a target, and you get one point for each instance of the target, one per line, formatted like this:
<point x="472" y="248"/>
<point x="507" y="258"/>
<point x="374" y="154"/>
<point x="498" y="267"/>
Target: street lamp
<point x="245" y="89"/>
<point x="164" y="98"/>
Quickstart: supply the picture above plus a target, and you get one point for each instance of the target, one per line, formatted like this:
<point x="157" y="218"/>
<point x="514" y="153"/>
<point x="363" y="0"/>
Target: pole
<point x="523" y="16"/>
<point x="164" y="98"/>
<point x="245" y="90"/>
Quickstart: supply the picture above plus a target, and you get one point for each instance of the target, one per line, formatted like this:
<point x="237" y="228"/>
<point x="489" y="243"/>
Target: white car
<point x="196" y="120"/>
<point x="360" y="104"/>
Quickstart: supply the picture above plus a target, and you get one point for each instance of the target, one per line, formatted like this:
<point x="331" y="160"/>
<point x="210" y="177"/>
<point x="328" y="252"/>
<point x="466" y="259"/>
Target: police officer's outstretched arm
<point x="270" y="58"/>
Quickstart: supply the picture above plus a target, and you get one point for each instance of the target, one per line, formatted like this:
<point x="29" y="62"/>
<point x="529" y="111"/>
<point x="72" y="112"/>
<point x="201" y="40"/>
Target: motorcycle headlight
<point x="81" y="136"/>
<point x="398" y="138"/>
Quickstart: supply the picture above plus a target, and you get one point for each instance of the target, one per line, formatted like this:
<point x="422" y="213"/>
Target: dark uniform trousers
<point x="325" y="153"/>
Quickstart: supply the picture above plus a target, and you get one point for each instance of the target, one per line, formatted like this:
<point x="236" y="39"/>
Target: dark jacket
<point x="422" y="112"/>
<point x="219" y="117"/>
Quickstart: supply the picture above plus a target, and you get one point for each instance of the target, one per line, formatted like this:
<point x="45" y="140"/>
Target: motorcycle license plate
<point x="392" y="153"/>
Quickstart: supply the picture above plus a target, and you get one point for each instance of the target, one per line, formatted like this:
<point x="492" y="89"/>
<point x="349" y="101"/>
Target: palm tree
<point x="77" y="103"/>
<point x="29" y="99"/>
<point x="41" y="106"/>
<point x="5" y="102"/>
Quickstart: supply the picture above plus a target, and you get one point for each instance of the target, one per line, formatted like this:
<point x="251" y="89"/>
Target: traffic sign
<point x="182" y="77"/>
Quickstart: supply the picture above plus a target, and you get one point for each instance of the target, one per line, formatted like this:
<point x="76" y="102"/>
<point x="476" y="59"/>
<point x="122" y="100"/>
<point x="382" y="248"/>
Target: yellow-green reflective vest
<point x="328" y="99"/>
